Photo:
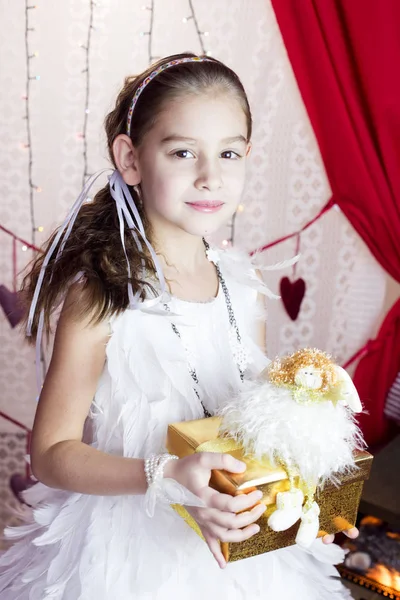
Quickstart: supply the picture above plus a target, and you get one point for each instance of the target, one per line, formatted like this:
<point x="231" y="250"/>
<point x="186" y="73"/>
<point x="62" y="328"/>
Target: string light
<point x="40" y="228"/>
<point x="240" y="208"/>
<point x="200" y="34"/>
<point x="30" y="56"/>
<point x="86" y="48"/>
<point x="25" y="97"/>
<point x="149" y="33"/>
<point x="232" y="229"/>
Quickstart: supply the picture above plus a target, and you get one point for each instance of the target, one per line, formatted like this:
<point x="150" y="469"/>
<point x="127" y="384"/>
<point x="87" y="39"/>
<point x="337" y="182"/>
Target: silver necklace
<point x="239" y="355"/>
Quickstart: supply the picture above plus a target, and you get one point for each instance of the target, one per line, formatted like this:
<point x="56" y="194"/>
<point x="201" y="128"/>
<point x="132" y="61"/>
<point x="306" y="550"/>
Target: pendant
<point x="240" y="354"/>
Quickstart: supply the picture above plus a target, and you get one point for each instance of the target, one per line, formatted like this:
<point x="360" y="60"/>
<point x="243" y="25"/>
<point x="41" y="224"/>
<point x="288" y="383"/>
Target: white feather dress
<point x="80" y="547"/>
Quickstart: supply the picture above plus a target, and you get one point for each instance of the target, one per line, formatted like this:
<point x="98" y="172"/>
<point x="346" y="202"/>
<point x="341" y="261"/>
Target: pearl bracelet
<point x="154" y="470"/>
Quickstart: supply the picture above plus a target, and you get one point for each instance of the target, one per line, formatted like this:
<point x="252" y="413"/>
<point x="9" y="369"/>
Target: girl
<point x="150" y="334"/>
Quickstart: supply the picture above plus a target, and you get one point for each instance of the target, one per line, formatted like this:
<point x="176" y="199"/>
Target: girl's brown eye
<point x="233" y="155"/>
<point x="183" y="154"/>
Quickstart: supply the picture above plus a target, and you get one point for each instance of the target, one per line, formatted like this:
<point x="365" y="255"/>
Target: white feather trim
<point x="331" y="554"/>
<point x="242" y="268"/>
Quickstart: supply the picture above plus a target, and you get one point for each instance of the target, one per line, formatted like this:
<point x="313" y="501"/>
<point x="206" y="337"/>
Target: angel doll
<point x="299" y="416"/>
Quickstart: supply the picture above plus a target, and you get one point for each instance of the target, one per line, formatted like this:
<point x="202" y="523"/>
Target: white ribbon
<point x="126" y="210"/>
<point x="169" y="491"/>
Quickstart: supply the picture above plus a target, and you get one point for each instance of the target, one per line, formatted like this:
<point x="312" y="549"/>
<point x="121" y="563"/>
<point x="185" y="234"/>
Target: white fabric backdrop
<point x="287" y="184"/>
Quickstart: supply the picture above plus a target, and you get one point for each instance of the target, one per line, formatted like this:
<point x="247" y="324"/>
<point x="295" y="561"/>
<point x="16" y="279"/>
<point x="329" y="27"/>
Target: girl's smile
<point x="210" y="206"/>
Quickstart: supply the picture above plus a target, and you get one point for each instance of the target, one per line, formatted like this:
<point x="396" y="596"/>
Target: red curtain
<point x="345" y="56"/>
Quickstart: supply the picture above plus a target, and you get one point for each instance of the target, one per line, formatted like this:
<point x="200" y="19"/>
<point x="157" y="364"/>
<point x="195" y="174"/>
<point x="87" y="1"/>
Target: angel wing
<point x="348" y="390"/>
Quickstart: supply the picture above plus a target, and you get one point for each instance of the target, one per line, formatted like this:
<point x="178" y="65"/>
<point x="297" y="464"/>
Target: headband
<point x="153" y="74"/>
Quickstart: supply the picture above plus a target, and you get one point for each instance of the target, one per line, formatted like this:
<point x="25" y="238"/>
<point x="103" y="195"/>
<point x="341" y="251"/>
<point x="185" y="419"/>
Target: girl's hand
<point x="351" y="533"/>
<point x="220" y="520"/>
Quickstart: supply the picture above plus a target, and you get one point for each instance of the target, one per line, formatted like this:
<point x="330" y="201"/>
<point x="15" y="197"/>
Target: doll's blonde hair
<point x="282" y="371"/>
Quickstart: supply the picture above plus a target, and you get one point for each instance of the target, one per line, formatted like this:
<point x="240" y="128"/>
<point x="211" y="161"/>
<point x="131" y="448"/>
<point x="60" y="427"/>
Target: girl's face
<point x="192" y="164"/>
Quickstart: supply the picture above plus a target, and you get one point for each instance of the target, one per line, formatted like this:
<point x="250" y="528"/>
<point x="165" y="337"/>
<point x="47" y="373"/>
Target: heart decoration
<point x="10" y="303"/>
<point x="292" y="294"/>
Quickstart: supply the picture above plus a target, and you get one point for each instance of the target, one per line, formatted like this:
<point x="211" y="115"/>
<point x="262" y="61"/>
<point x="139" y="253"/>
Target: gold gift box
<point x="338" y="505"/>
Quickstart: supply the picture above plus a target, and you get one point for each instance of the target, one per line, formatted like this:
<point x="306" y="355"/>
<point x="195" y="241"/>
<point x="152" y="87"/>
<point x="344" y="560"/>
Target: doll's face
<point x="309" y="377"/>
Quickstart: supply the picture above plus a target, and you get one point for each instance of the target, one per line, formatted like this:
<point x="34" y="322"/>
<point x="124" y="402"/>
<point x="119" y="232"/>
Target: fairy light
<point x="149" y="33"/>
<point x="82" y="135"/>
<point x="240" y="208"/>
<point x="232" y="229"/>
<point x="30" y="77"/>
<point x="200" y="34"/>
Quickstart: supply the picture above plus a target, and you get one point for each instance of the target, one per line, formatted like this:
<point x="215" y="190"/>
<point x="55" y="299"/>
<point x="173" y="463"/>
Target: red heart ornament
<point x="10" y="303"/>
<point x="292" y="294"/>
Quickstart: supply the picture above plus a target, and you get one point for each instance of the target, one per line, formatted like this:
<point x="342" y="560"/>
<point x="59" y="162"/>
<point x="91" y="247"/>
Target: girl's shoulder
<point x="79" y="312"/>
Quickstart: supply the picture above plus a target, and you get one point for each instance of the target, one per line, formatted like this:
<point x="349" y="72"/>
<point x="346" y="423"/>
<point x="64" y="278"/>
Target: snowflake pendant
<point x="240" y="354"/>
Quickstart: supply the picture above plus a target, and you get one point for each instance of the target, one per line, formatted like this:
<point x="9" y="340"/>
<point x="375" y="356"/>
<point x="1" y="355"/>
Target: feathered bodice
<point x="146" y="383"/>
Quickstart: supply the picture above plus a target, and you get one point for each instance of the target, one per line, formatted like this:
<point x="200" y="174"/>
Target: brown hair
<point x="94" y="245"/>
